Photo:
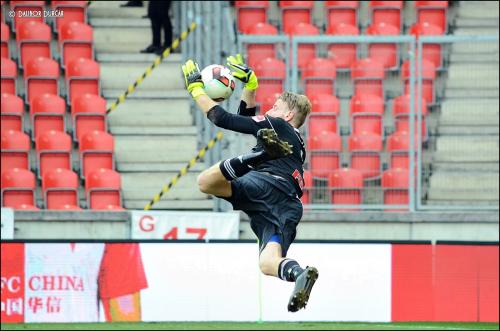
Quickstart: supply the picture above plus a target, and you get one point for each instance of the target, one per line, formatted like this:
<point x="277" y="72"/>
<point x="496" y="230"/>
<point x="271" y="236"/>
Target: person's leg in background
<point x="155" y="47"/>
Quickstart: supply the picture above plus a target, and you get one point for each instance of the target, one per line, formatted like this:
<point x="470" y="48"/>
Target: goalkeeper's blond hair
<point x="299" y="104"/>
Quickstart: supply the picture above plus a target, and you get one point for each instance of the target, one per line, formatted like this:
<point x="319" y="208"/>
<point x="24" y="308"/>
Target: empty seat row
<point x="365" y="153"/>
<point x="48" y="112"/>
<point x="345" y="187"/>
<point x="250" y="13"/>
<point x="60" y="189"/>
<point x="65" y="11"/>
<point x="366" y="114"/>
<point x="54" y="150"/>
<point x="33" y="39"/>
<point x="41" y="76"/>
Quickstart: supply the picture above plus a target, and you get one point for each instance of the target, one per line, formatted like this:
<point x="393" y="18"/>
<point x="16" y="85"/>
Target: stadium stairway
<point x="153" y="128"/>
<point x="466" y="160"/>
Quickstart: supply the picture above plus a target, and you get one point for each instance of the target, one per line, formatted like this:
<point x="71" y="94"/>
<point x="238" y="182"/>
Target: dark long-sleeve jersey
<point x="290" y="167"/>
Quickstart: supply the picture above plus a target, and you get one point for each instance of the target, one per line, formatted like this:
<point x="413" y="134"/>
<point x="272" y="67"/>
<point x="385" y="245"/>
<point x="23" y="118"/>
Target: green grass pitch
<point x="255" y="326"/>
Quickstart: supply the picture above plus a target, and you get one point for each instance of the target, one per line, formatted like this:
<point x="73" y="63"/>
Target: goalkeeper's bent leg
<point x="212" y="181"/>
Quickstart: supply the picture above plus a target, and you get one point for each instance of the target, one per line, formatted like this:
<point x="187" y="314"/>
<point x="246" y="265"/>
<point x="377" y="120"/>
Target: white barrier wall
<point x="221" y="282"/>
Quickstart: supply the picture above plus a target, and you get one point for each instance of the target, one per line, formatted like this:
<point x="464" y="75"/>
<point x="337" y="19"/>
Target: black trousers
<point x="158" y="13"/>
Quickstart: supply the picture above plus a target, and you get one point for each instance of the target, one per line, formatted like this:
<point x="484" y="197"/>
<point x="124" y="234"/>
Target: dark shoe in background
<point x="132" y="4"/>
<point x="152" y="49"/>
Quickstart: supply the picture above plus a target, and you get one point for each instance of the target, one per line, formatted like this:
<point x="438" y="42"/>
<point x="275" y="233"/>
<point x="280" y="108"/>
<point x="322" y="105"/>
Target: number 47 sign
<point x="184" y="225"/>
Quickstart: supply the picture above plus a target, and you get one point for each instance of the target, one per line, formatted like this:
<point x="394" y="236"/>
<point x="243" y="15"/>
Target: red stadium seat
<point x="27" y="207"/>
<point x="395" y="183"/>
<point x="12" y="110"/>
<point x="53" y="151"/>
<point x="8" y="76"/>
<point x="319" y="77"/>
<point x="365" y="152"/>
<point x="82" y="76"/>
<point x="294" y="13"/>
<point x="250" y="13"/>
<point x="325" y="111"/>
<point x="344" y="55"/>
<point x="342" y="12"/>
<point x="20" y="9"/>
<point x="60" y="187"/>
<point x="67" y="207"/>
<point x="387" y="54"/>
<point x="18" y="187"/>
<point x="103" y="187"/>
<point x="398" y="147"/>
<point x="305" y="52"/>
<point x="109" y="208"/>
<point x="431" y="52"/>
<point x="324" y="148"/>
<point x="33" y="40"/>
<point x="88" y="113"/>
<point x="308" y="186"/>
<point x="96" y="151"/>
<point x="15" y="150"/>
<point x="387" y="12"/>
<point x="258" y="52"/>
<point x="366" y="114"/>
<point x="41" y="76"/>
<point x="76" y="40"/>
<point x="5" y="36"/>
<point x="401" y="114"/>
<point x="47" y="113"/>
<point x="428" y="76"/>
<point x="74" y="11"/>
<point x="433" y="12"/>
<point x="368" y="76"/>
<point x="346" y="185"/>
<point x="272" y="75"/>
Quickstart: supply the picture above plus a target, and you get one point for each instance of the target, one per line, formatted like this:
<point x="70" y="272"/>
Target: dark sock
<point x="239" y="166"/>
<point x="289" y="270"/>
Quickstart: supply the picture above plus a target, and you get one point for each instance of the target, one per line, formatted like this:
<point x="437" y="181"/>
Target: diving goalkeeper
<point x="267" y="183"/>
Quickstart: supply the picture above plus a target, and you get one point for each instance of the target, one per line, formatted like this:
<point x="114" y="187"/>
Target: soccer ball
<point x="218" y="81"/>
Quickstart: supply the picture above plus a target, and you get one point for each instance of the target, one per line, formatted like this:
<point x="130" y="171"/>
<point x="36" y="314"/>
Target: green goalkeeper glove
<point x="243" y="72"/>
<point x="192" y="77"/>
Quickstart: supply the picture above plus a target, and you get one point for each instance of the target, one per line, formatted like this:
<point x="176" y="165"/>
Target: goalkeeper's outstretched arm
<point x="247" y="76"/>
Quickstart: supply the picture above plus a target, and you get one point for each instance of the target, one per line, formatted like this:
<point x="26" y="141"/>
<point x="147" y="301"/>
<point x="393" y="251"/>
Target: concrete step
<point x="155" y="149"/>
<point x="151" y="131"/>
<point x="473" y="9"/>
<point x="467" y="149"/>
<point x="121" y="39"/>
<point x="481" y="31"/>
<point x="137" y="57"/>
<point x="464" y="186"/>
<point x="475" y="48"/>
<point x="173" y="167"/>
<point x="474" y="58"/>
<point x="120" y="75"/>
<point x="156" y="113"/>
<point x="469" y="112"/>
<point x="112" y="9"/>
<point x="189" y="205"/>
<point x="475" y="22"/>
<point x="145" y="185"/>
<point x="467" y="167"/>
<point x="473" y="74"/>
<point x="147" y="94"/>
<point x="470" y="93"/>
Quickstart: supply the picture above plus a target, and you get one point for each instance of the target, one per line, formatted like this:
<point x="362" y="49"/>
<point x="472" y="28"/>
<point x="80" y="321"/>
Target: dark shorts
<point x="272" y="205"/>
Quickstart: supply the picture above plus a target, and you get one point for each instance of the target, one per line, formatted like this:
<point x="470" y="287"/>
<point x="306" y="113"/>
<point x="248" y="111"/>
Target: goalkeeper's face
<point x="280" y="110"/>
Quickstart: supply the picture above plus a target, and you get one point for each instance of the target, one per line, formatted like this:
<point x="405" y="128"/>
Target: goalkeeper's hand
<point x="243" y="72"/>
<point x="192" y="78"/>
